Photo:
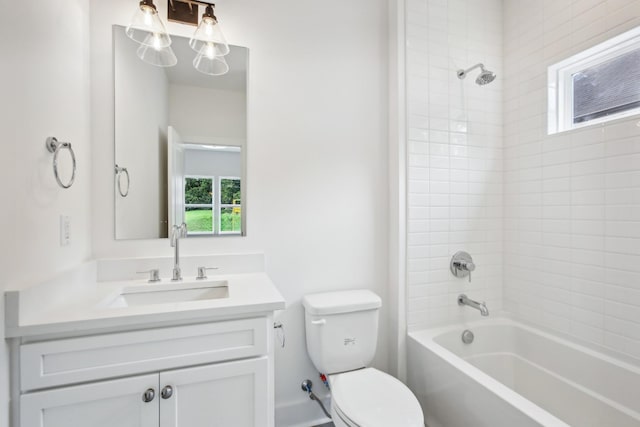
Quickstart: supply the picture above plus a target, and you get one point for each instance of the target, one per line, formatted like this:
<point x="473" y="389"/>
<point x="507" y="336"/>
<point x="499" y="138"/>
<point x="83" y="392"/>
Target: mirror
<point x="180" y="144"/>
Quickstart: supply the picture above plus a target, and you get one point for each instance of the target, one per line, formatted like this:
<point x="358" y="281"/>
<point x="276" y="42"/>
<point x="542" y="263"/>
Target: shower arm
<point x="463" y="73"/>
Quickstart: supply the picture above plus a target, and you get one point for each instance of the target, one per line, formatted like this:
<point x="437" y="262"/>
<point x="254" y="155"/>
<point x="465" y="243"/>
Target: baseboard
<point x="302" y="413"/>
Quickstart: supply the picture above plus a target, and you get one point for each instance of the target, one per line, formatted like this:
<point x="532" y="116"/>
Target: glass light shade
<point x="207" y="62"/>
<point x="152" y="53"/>
<point x="146" y="22"/>
<point x="209" y="31"/>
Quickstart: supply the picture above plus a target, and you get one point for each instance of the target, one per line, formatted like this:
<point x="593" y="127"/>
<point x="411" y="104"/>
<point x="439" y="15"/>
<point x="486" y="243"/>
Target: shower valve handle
<point x="462" y="265"/>
<point x="466" y="266"/>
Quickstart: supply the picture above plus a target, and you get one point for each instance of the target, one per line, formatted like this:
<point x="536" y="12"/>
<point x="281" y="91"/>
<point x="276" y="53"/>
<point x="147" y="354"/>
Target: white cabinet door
<point x="230" y="394"/>
<point x="103" y="404"/>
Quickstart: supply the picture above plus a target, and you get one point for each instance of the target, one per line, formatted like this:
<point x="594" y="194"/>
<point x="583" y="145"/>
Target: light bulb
<point x="207" y="62"/>
<point x="148" y="15"/>
<point x="157" y="42"/>
<point x="210" y="51"/>
<point x="152" y="52"/>
<point x="208" y="23"/>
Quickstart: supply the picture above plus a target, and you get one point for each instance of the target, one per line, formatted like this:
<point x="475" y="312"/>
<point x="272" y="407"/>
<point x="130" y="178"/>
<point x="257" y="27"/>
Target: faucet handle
<point x="462" y="265"/>
<point x="467" y="266"/>
<point x="154" y="275"/>
<point x="470" y="266"/>
<point x="202" y="272"/>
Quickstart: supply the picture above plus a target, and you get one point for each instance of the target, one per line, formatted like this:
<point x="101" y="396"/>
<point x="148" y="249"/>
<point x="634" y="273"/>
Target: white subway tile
<point x="552" y="221"/>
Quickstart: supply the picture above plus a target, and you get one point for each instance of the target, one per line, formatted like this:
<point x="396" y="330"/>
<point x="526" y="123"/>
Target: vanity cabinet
<point x="214" y="374"/>
<point x="102" y="404"/>
<point x="226" y="394"/>
<point x="223" y="394"/>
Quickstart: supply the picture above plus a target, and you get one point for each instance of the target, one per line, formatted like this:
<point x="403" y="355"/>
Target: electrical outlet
<point x="65" y="232"/>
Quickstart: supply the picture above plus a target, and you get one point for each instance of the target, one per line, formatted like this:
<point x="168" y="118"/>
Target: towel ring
<point x="55" y="147"/>
<point x="119" y="172"/>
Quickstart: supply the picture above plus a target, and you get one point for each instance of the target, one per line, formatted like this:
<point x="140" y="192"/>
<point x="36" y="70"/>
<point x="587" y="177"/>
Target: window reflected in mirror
<point x="213" y="204"/>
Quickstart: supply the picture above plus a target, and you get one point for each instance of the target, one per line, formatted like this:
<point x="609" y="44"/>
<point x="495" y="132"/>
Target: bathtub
<point x="513" y="375"/>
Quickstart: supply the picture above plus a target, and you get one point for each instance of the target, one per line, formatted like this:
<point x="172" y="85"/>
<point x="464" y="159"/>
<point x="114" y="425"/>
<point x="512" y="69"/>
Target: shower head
<point x="485" y="76"/>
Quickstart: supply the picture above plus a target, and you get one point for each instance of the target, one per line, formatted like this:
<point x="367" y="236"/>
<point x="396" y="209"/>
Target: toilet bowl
<point x="370" y="398"/>
<point x="342" y="333"/>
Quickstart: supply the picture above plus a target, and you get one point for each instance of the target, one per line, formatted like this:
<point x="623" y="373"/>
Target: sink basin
<point x="170" y="293"/>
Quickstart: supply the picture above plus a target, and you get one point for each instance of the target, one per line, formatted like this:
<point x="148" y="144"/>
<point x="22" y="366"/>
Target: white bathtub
<point x="513" y="375"/>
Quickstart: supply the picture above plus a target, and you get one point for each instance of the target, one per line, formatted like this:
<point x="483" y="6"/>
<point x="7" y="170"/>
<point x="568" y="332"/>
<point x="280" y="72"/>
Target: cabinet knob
<point x="166" y="392"/>
<point x="148" y="395"/>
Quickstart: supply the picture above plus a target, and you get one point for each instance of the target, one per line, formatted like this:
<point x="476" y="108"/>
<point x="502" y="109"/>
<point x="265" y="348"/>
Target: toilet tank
<point x="341" y="329"/>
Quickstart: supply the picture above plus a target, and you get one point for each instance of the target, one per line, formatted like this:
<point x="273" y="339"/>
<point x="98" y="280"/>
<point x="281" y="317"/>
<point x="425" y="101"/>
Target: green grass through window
<point x="199" y="220"/>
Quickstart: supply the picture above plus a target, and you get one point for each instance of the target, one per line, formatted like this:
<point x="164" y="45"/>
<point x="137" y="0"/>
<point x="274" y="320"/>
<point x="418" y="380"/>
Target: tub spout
<point x="481" y="306"/>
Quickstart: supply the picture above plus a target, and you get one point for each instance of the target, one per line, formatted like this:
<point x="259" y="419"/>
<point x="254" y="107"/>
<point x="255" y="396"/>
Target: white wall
<point x="44" y="87"/>
<point x="196" y="111"/>
<point x="317" y="154"/>
<point x="142" y="118"/>
<point x="572" y="224"/>
<point x="454" y="145"/>
<point x="397" y="175"/>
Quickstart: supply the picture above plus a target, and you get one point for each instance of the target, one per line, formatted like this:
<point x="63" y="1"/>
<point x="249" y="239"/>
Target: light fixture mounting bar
<point x="184" y="12"/>
<point x="194" y="2"/>
<point x="173" y="7"/>
<point x="181" y="12"/>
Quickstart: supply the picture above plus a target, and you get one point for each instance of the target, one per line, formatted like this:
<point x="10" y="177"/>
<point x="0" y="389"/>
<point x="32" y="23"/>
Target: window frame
<point x="201" y="205"/>
<point x="216" y="205"/>
<point x="227" y="205"/>
<point x="560" y="81"/>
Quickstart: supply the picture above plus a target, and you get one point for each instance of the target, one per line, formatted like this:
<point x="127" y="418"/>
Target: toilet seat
<point x="370" y="398"/>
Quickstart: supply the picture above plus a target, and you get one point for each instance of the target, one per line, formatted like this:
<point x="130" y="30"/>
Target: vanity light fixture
<point x="209" y="33"/>
<point x="147" y="28"/>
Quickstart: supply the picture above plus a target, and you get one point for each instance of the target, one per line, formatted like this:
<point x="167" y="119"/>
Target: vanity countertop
<point x="29" y="314"/>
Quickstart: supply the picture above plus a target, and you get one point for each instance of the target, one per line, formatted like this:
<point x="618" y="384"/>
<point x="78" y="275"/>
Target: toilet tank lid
<point x="341" y="302"/>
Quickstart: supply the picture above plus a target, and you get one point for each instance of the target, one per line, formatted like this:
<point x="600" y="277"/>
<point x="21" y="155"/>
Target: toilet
<point x="342" y="334"/>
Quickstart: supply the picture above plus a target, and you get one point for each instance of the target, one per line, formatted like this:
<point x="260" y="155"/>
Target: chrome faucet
<point x="462" y="265"/>
<point x="464" y="300"/>
<point x="177" y="232"/>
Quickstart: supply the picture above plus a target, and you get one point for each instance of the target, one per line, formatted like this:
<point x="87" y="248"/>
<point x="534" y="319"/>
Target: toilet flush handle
<point x="319" y="322"/>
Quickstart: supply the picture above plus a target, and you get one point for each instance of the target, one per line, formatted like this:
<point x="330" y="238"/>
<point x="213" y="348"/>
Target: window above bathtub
<point x="596" y="85"/>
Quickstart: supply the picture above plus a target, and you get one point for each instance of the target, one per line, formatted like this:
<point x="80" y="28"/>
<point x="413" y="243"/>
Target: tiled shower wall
<point x="455" y="156"/>
<point x="572" y="200"/>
